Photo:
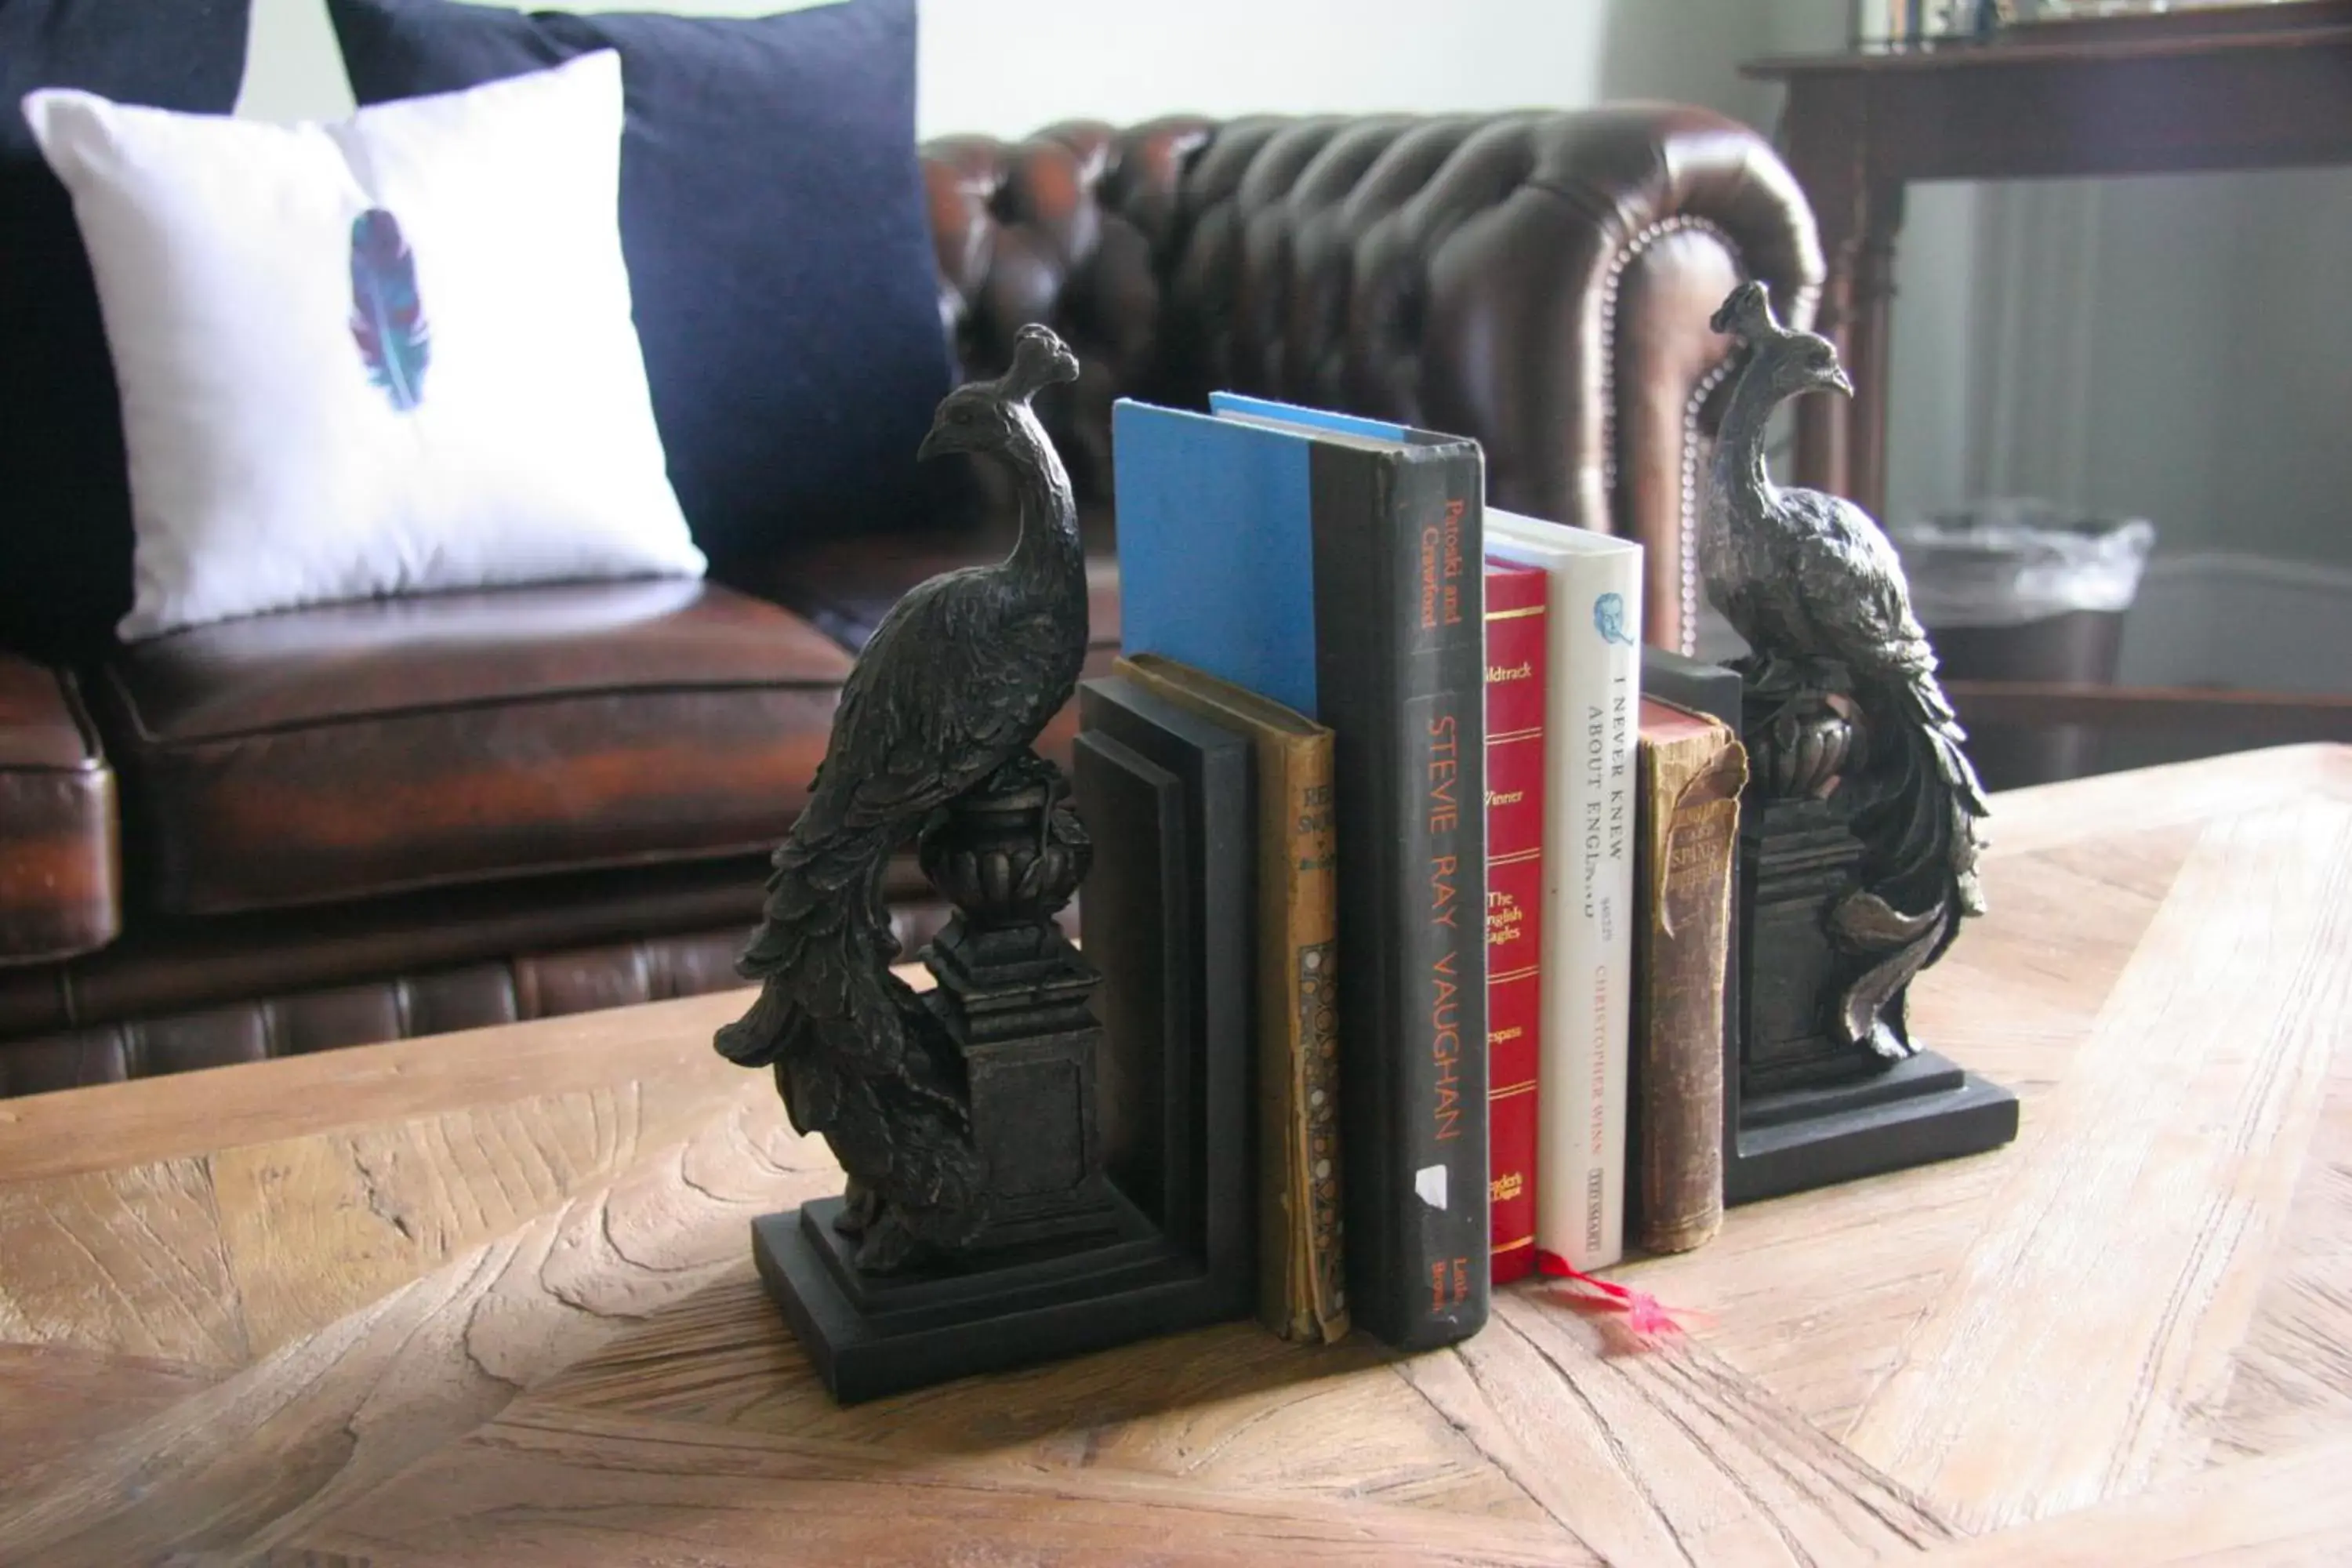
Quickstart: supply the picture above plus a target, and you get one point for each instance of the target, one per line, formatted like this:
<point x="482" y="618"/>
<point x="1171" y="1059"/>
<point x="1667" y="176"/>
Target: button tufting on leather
<point x="1463" y="271"/>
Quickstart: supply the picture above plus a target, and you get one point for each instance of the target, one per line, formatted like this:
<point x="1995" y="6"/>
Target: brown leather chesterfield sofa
<point x="332" y="827"/>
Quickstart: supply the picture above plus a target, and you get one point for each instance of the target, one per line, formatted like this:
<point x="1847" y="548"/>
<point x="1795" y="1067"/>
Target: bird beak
<point x="1839" y="382"/>
<point x="935" y="441"/>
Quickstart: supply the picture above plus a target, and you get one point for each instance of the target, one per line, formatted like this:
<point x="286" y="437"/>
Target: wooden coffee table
<point x="488" y="1299"/>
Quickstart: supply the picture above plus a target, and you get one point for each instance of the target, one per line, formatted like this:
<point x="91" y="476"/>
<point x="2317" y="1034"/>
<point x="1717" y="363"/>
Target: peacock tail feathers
<point x="1922" y="821"/>
<point x="823" y="952"/>
<point x="1901" y="945"/>
<point x="387" y="312"/>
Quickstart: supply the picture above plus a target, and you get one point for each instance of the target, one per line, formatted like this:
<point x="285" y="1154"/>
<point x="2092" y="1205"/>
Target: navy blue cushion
<point x="772" y="216"/>
<point x="65" y="493"/>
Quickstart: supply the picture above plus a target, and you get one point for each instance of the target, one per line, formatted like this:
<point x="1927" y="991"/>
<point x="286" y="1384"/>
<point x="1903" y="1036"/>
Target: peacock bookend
<point x="979" y="1229"/>
<point x="1862" y="820"/>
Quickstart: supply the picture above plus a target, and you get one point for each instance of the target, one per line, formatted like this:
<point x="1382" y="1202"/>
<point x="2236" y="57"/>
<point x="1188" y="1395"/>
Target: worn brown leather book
<point x="1692" y="771"/>
<point x="1302" y="1293"/>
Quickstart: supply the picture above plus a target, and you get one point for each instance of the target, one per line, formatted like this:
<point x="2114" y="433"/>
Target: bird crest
<point x="1040" y="359"/>
<point x="1747" y="314"/>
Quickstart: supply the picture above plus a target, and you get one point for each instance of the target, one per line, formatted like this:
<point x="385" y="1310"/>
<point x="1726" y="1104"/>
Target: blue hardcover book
<point x="1334" y="565"/>
<point x="1215" y="563"/>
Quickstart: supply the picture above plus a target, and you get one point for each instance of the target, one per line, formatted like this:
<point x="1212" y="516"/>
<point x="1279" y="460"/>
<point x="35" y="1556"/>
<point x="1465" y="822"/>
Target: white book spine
<point x="1596" y="671"/>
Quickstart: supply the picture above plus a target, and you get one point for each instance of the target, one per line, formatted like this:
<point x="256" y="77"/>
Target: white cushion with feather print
<point x="391" y="354"/>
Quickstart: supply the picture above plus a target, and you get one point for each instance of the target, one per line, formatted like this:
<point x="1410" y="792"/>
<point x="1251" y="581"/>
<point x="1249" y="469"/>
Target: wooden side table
<point x="2252" y="87"/>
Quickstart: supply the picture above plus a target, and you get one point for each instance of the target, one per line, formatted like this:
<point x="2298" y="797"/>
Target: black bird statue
<point x="949" y="695"/>
<point x="1818" y="593"/>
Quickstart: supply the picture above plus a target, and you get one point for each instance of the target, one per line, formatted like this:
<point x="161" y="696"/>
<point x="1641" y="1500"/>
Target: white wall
<point x="2173" y="348"/>
<point x="2282" y="483"/>
<point x="1009" y="66"/>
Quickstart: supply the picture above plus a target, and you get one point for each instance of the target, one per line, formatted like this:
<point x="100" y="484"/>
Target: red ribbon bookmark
<point x="1644" y="1315"/>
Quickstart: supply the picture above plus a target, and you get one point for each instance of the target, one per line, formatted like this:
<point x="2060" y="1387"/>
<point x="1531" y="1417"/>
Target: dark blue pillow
<point x="65" y="492"/>
<point x="772" y="216"/>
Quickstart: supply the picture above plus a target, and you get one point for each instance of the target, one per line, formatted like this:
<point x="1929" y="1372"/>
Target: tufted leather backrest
<point x="1540" y="280"/>
<point x="1068" y="227"/>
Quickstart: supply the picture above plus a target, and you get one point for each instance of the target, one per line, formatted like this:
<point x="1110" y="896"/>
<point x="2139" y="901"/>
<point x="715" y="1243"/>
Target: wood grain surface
<point x="488" y="1298"/>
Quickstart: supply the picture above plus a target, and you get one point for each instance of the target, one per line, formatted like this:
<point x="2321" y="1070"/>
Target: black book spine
<point x="1713" y="690"/>
<point x="1399" y="671"/>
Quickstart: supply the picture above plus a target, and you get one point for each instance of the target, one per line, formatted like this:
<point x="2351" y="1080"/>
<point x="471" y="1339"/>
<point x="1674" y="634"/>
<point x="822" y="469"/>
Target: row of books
<point x="1612" y="822"/>
<point x="1492" y="878"/>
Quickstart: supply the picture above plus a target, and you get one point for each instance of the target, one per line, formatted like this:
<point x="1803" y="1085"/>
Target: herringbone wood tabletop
<point x="488" y="1299"/>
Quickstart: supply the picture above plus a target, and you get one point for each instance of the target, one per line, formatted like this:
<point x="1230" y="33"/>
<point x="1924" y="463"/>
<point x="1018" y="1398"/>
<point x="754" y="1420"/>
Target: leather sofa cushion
<point x="357" y="750"/>
<point x="59" y="863"/>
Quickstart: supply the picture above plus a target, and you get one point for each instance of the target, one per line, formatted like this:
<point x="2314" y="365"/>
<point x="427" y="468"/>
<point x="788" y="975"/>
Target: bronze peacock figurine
<point x="1818" y="593"/>
<point x="948" y="694"/>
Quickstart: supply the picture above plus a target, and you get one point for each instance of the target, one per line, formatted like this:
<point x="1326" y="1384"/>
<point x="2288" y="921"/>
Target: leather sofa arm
<point x="1540" y="280"/>
<point x="60" y="858"/>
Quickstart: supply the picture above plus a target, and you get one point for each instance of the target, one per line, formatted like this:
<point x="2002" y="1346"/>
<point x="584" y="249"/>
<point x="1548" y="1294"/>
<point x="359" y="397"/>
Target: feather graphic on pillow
<point x="387" y="316"/>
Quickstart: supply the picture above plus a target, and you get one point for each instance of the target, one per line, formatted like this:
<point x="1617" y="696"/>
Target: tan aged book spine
<point x="1302" y="1279"/>
<point x="1692" y="771"/>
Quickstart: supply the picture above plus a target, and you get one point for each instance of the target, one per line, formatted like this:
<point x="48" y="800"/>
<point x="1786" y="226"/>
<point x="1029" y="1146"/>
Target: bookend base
<point x="1920" y="1110"/>
<point x="1804" y="1108"/>
<point x="869" y="1336"/>
<point x="1120" y="1151"/>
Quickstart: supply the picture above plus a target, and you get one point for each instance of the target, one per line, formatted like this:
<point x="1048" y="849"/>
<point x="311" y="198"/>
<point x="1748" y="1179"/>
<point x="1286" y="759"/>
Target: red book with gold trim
<point x="1516" y="605"/>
